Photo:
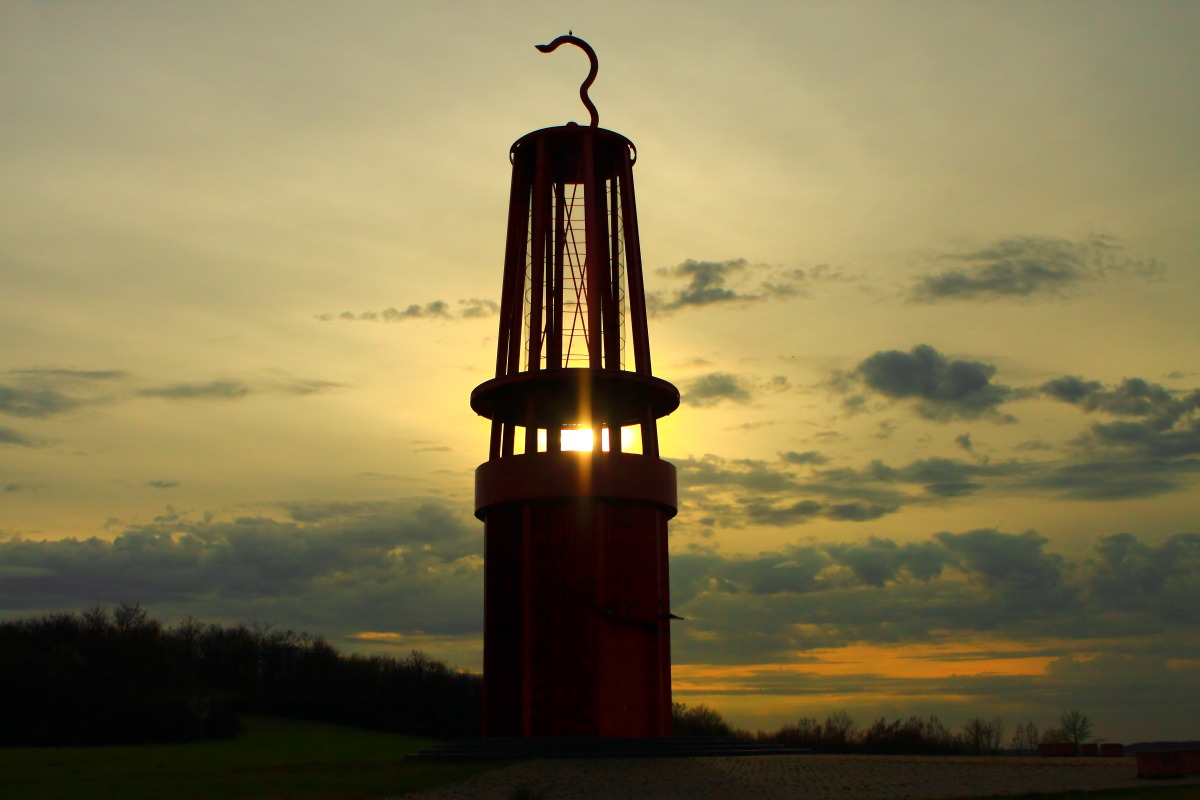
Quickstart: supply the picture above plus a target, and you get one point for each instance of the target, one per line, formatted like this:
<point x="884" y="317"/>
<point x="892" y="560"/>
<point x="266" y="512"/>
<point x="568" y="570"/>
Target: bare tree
<point x="1076" y="726"/>
<point x="983" y="735"/>
<point x="839" y="727"/>
<point x="1025" y="738"/>
<point x="1053" y="736"/>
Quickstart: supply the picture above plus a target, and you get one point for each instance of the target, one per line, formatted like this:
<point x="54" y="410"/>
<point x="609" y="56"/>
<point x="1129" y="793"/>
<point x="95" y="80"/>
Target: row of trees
<point x="839" y="733"/>
<point x="121" y="677"/>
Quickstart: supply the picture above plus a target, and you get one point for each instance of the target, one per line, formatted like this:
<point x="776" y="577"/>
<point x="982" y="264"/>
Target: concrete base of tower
<point x="576" y="613"/>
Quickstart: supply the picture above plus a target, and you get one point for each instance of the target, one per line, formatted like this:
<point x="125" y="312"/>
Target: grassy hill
<point x="271" y="758"/>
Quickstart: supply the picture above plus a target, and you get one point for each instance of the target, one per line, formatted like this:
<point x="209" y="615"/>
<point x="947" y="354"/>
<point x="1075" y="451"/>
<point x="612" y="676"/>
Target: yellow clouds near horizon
<point x="908" y="660"/>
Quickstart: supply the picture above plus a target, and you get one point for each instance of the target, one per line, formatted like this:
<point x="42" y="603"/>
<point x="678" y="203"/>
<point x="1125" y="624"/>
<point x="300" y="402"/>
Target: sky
<point x="924" y="273"/>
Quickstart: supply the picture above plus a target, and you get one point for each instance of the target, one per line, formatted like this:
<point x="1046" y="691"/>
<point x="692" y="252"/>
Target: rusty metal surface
<point x="574" y="397"/>
<point x="576" y="475"/>
<point x="576" y="591"/>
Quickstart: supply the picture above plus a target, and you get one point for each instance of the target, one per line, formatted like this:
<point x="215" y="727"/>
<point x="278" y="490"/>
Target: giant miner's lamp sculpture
<point x="576" y="614"/>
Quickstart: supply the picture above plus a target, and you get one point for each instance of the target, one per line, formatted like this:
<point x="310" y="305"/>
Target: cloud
<point x="298" y="386"/>
<point x="42" y="393"/>
<point x="209" y="390"/>
<point x="733" y="281"/>
<point x="45" y="393"/>
<point x="1151" y="446"/>
<point x="1133" y="397"/>
<point x="798" y="488"/>
<point x="404" y="566"/>
<point x="807" y="457"/>
<point x="944" y="389"/>
<point x="1028" y="267"/>
<point x="417" y="566"/>
<point x="15" y="437"/>
<point x="37" y="403"/>
<point x="474" y="307"/>
<point x="879" y="561"/>
<point x="470" y="308"/>
<point x="414" y="570"/>
<point x="1017" y="564"/>
<point x="736" y="492"/>
<point x="706" y="284"/>
<point x="162" y="484"/>
<point x="77" y="374"/>
<point x="713" y="471"/>
<point x="708" y="390"/>
<point x="782" y="514"/>
<point x="1101" y="477"/>
<point x="948" y="586"/>
<point x="715" y="387"/>
<point x="1125" y="572"/>
<point x="229" y="389"/>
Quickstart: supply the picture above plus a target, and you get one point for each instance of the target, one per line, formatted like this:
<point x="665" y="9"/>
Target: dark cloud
<point x="738" y="492"/>
<point x="45" y="393"/>
<point x="470" y="308"/>
<point x="859" y="512"/>
<point x="79" y="374"/>
<point x="880" y="561"/>
<point x="236" y="389"/>
<point x="1028" y="266"/>
<point x="786" y="513"/>
<point x="210" y="390"/>
<point x="1125" y="572"/>
<point x="341" y="568"/>
<point x="944" y="389"/>
<point x="1017" y="563"/>
<point x="951" y="477"/>
<point x="807" y="457"/>
<point x="721" y="282"/>
<point x="715" y="387"/>
<point x="1100" y="478"/>
<point x="474" y="307"/>
<point x="1147" y="440"/>
<point x="708" y="390"/>
<point x="15" y="437"/>
<point x="1133" y="397"/>
<point x="706" y="284"/>
<point x="713" y="471"/>
<point x="36" y="403"/>
<point x="768" y="606"/>
<point x="162" y="484"/>
<point x="732" y="492"/>
<point x="386" y="566"/>
<point x="1152" y="448"/>
<point x="41" y="393"/>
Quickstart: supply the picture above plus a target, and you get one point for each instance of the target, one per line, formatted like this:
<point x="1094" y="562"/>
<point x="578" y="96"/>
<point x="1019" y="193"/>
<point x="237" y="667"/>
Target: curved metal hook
<point x="591" y="78"/>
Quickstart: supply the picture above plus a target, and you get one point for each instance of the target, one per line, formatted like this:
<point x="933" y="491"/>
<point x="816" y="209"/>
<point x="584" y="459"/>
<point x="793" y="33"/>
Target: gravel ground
<point x="803" y="777"/>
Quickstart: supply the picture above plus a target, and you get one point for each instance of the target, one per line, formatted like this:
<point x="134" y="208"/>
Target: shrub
<point x="698" y="721"/>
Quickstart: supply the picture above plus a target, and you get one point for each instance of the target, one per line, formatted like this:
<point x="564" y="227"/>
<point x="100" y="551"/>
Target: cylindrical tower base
<point x="577" y="639"/>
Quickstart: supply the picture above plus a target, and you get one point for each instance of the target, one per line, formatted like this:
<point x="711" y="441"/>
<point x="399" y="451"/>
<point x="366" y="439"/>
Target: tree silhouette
<point x="1076" y="727"/>
<point x="120" y="677"/>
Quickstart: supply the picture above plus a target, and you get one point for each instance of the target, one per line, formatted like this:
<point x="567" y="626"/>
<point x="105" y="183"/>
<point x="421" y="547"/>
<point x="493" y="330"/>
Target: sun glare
<point x="580" y="439"/>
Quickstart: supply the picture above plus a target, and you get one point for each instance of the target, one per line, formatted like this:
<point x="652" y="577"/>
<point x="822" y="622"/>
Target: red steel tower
<point x="576" y="612"/>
